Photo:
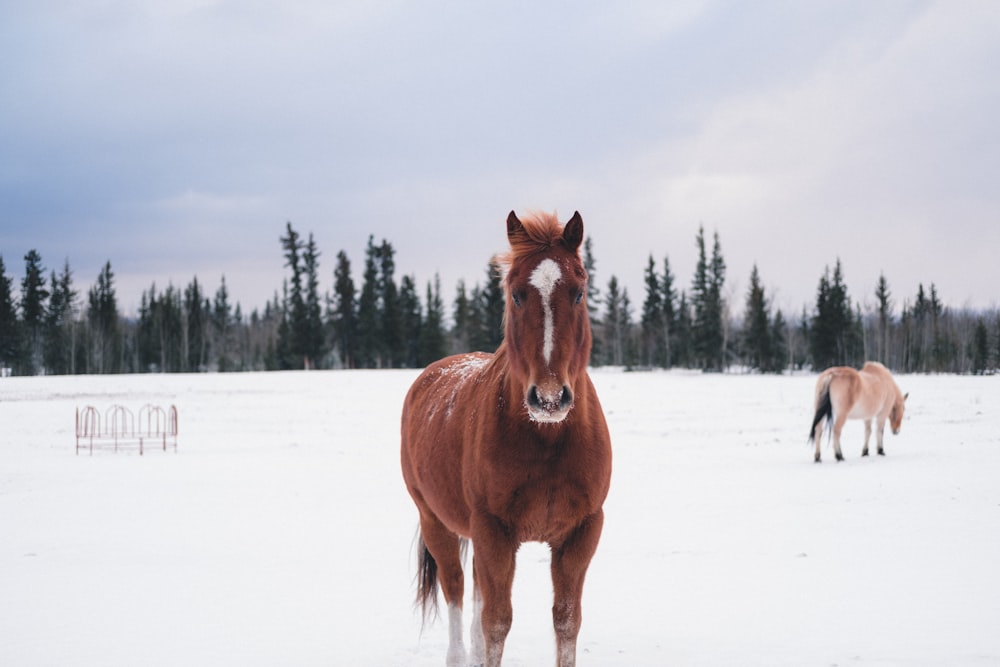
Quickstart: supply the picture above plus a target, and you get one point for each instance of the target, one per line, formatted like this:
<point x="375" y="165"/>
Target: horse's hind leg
<point x="868" y="435"/>
<point x="838" y="426"/>
<point x="818" y="439"/>
<point x="879" y="435"/>
<point x="445" y="547"/>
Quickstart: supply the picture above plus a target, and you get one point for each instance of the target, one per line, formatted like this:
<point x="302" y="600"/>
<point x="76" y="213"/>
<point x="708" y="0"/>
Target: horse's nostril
<point x="533" y="400"/>
<point x="567" y="397"/>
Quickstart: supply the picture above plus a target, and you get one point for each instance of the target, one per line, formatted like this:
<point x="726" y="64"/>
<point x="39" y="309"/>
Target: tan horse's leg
<point x="445" y="547"/>
<point x="818" y="439"/>
<point x="879" y="434"/>
<point x="569" y="567"/>
<point x="494" y="556"/>
<point x="868" y="435"/>
<point x="838" y="426"/>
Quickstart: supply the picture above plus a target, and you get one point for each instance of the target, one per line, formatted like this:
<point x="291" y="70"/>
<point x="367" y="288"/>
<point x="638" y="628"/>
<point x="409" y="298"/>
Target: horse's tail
<point x="824" y="408"/>
<point x="427" y="581"/>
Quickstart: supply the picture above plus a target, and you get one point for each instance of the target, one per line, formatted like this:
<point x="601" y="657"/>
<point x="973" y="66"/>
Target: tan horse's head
<point x="547" y="327"/>
<point x="896" y="414"/>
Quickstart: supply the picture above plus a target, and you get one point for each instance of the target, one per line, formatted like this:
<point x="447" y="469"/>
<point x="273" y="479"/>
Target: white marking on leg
<point x="456" y="647"/>
<point x="477" y="651"/>
<point x="544" y="278"/>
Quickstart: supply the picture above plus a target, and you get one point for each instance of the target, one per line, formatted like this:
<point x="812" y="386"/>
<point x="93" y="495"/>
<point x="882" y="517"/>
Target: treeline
<point x="390" y="322"/>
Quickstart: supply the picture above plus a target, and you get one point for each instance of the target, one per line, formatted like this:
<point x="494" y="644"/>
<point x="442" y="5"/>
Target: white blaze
<point x="544" y="278"/>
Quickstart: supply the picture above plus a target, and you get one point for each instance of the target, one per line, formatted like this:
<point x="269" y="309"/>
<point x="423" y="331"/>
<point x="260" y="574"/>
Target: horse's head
<point x="896" y="414"/>
<point x="547" y="327"/>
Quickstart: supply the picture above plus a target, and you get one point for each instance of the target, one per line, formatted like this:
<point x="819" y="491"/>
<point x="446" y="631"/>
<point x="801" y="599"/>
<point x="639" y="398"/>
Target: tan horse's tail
<point x="824" y="408"/>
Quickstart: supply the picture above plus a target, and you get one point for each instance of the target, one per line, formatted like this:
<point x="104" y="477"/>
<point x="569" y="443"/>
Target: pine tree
<point x="834" y="334"/>
<point x="708" y="335"/>
<point x="391" y="340"/>
<point x="59" y="323"/>
<point x="757" y="340"/>
<point x="433" y="343"/>
<point x="368" y="310"/>
<point x="9" y="330"/>
<point x="981" y="348"/>
<point x="412" y="322"/>
<point x="34" y="301"/>
<point x="884" y="298"/>
<point x="683" y="340"/>
<point x="313" y="336"/>
<point x="593" y="301"/>
<point x="489" y="306"/>
<point x="613" y="324"/>
<point x="195" y="347"/>
<point x="779" y="344"/>
<point x="296" y="329"/>
<point x="222" y="327"/>
<point x="652" y="321"/>
<point x="345" y="316"/>
<point x="669" y="300"/>
<point x="104" y="327"/>
<point x="462" y="318"/>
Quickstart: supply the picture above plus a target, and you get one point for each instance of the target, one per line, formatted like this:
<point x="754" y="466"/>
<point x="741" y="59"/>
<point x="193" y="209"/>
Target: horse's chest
<point x="544" y="505"/>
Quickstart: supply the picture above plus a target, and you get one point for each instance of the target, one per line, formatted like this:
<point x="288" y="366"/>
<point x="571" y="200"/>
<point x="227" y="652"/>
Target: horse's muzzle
<point x="549" y="406"/>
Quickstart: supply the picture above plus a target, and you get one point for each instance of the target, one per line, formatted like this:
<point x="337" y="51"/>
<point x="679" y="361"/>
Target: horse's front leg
<point x="879" y="434"/>
<point x="494" y="555"/>
<point x="569" y="567"/>
<point x="868" y="435"/>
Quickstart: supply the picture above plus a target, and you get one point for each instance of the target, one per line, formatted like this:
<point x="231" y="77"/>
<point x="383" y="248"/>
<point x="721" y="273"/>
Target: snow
<point x="280" y="532"/>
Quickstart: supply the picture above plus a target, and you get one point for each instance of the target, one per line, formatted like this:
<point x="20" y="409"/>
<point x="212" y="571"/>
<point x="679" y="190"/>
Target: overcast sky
<point x="176" y="138"/>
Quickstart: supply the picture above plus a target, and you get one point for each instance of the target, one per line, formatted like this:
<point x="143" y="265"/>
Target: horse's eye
<point x="579" y="297"/>
<point x="516" y="298"/>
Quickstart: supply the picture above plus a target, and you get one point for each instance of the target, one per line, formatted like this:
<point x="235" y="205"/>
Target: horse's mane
<point x="542" y="231"/>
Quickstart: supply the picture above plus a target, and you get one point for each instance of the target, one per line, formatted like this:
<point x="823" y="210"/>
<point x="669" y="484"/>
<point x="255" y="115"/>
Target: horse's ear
<point x="906" y="396"/>
<point x="573" y="232"/>
<point x="514" y="228"/>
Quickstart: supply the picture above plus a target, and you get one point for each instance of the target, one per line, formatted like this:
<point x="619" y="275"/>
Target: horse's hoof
<point x="881" y="453"/>
<point x="840" y="457"/>
<point x="864" y="453"/>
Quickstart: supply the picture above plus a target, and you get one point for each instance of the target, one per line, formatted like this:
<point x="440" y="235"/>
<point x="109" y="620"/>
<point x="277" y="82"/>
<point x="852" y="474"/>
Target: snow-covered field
<point x="280" y="532"/>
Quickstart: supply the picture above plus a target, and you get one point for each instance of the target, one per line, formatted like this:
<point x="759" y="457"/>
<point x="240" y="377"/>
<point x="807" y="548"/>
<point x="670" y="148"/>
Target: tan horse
<point x="843" y="393"/>
<point x="512" y="447"/>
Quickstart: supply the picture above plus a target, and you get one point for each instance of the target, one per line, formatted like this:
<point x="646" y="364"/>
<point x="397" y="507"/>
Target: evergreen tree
<point x="313" y="336"/>
<point x="593" y="301"/>
<point x="462" y="316"/>
<point x="669" y="300"/>
<point x="34" y="302"/>
<point x="684" y="338"/>
<point x="222" y="327"/>
<point x="296" y="329"/>
<point x="368" y="310"/>
<point x="489" y="306"/>
<point x="613" y="326"/>
<point x="981" y="348"/>
<point x="757" y="341"/>
<point x="60" y="324"/>
<point x="9" y="331"/>
<point x="884" y="298"/>
<point x="652" y="321"/>
<point x="433" y="342"/>
<point x="833" y="334"/>
<point x="412" y="322"/>
<point x="345" y="316"/>
<point x="779" y="344"/>
<point x="195" y="335"/>
<point x="708" y="335"/>
<point x="104" y="327"/>
<point x="391" y="344"/>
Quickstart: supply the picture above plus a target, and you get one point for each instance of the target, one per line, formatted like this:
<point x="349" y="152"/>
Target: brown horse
<point x="512" y="447"/>
<point x="843" y="393"/>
